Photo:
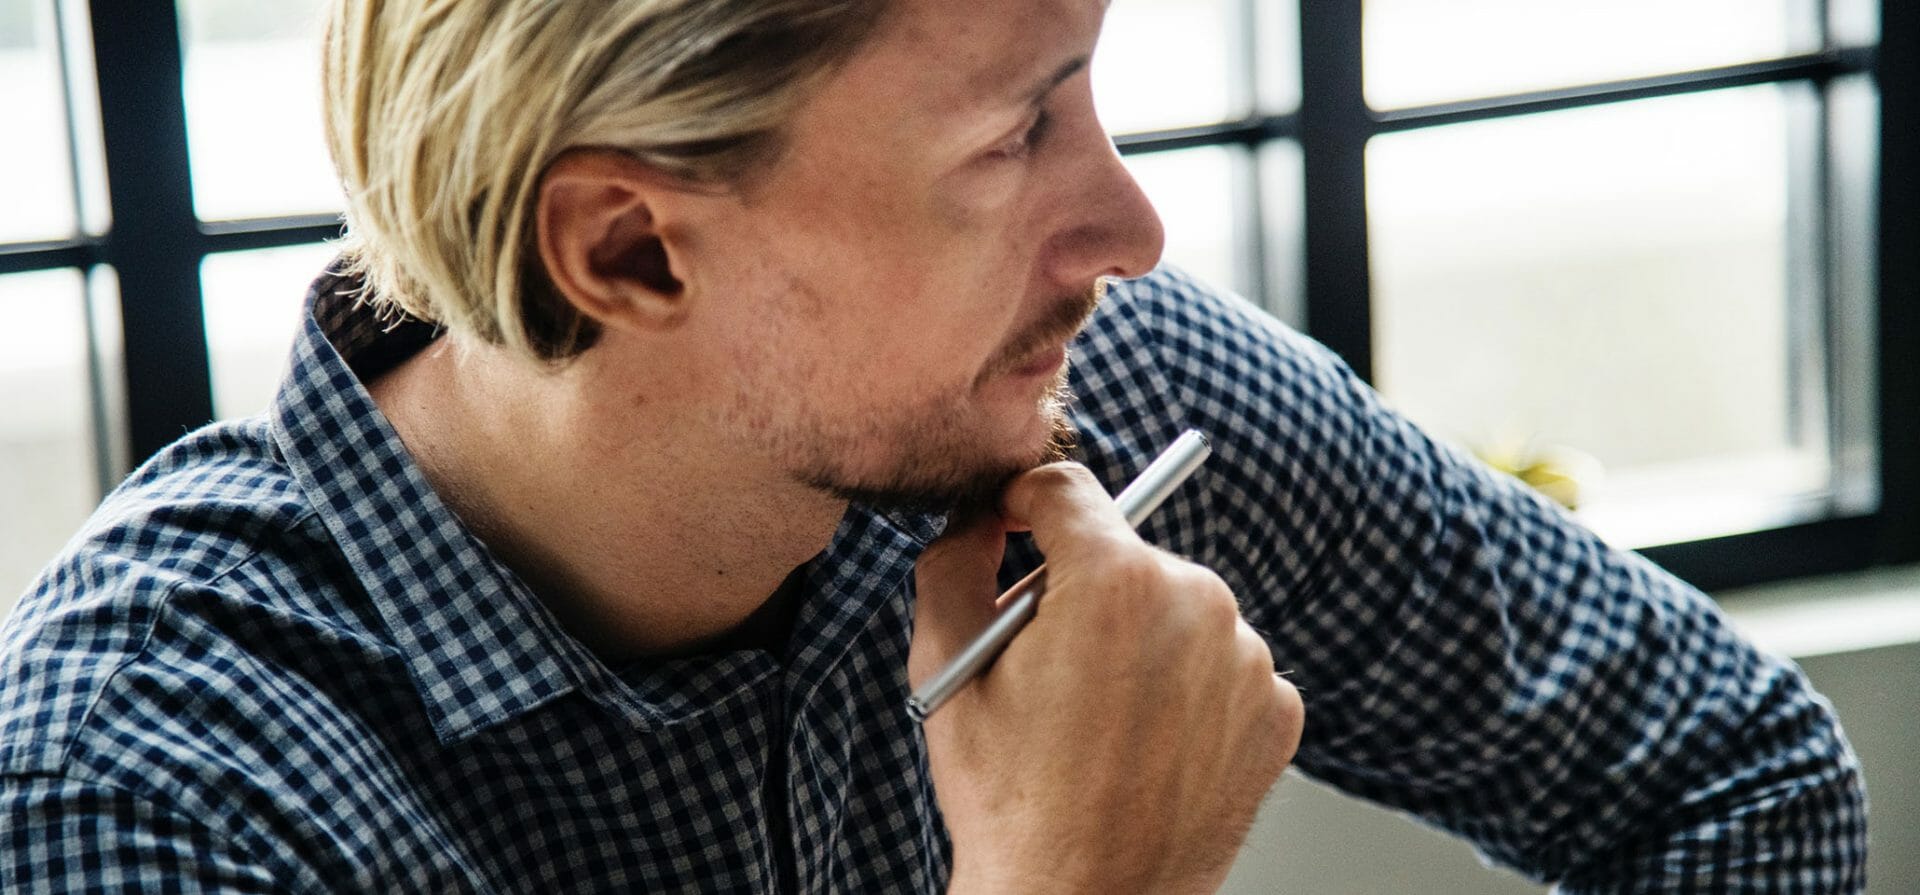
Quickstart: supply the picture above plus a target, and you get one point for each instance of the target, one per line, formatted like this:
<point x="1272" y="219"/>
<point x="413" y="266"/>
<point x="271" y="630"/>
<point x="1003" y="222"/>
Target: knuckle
<point x="1292" y="707"/>
<point x="1062" y="475"/>
<point x="1255" y="656"/>
<point x="1135" y="588"/>
<point x="1123" y="553"/>
<point x="1134" y="580"/>
<point x="1207" y="598"/>
<point x="1288" y="710"/>
<point x="1290" y="719"/>
<point x="1218" y="602"/>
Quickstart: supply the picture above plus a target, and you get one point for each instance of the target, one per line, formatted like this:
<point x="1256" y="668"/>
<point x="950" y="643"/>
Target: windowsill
<point x="1712" y="497"/>
<point x="1831" y="614"/>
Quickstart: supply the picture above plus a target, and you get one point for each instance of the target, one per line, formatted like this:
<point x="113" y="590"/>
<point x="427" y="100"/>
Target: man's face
<point x="905" y="278"/>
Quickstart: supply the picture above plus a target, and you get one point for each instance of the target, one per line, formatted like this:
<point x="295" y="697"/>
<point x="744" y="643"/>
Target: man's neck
<point x="642" y="536"/>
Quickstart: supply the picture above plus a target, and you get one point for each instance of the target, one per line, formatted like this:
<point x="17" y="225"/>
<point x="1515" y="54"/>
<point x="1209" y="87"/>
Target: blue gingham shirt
<point x="275" y="661"/>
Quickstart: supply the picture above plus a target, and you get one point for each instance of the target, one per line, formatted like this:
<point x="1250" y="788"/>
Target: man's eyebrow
<point x="1072" y="67"/>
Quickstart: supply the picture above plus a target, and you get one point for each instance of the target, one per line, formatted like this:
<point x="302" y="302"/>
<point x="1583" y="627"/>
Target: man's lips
<point x="1044" y="351"/>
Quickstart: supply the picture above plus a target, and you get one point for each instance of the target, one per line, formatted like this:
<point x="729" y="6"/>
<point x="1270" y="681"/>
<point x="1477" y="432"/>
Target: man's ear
<point x="600" y="232"/>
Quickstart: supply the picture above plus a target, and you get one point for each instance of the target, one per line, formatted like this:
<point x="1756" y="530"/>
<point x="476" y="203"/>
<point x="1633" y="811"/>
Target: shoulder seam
<point x="161" y="604"/>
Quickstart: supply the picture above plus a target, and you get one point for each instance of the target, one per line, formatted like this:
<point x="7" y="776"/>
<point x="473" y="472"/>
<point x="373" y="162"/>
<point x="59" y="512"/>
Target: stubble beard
<point x="949" y="478"/>
<point x="937" y="463"/>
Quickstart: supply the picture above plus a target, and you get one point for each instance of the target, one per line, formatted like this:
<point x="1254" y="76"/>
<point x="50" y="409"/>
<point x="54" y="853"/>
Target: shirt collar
<point x="480" y="646"/>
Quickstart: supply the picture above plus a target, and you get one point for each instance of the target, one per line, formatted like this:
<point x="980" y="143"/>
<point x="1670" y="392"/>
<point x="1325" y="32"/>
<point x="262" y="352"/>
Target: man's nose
<point x="1116" y="232"/>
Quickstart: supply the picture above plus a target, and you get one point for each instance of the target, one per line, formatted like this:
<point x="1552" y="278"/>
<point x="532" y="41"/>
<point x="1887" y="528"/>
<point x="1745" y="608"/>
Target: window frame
<point x="156" y="243"/>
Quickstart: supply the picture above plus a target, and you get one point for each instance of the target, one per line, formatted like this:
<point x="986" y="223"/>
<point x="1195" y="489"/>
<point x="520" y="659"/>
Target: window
<point x="47" y="463"/>
<point x="107" y="336"/>
<point x="1201" y="96"/>
<point x="1633" y="237"/>
<point x="37" y="173"/>
<point x="251" y="301"/>
<point x="1647" y="230"/>
<point x="253" y="109"/>
<point x="1420" y="53"/>
<point x="1641" y="233"/>
<point x="1622" y="277"/>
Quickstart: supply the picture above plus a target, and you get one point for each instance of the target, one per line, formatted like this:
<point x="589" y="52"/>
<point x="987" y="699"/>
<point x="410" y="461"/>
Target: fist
<point x="1124" y="740"/>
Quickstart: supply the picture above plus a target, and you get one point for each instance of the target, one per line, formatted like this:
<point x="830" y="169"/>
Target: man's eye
<point x="1023" y="145"/>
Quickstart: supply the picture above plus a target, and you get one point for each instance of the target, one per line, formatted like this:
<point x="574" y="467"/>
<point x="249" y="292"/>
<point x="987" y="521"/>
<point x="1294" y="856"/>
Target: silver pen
<point x="1137" y="501"/>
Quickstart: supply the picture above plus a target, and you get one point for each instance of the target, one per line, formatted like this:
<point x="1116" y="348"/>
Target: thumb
<point x="954" y="590"/>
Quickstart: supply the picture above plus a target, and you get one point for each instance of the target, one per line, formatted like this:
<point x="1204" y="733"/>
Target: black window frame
<point x="156" y="243"/>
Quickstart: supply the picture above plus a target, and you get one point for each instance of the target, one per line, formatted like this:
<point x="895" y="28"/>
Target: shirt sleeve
<point x="1472" y="655"/>
<point x="62" y="836"/>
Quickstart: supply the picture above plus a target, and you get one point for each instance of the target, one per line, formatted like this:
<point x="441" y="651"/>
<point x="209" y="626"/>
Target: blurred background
<point x="1653" y="255"/>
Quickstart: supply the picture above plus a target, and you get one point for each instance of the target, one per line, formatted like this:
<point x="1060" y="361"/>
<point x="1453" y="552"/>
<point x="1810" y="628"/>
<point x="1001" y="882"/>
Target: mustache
<point x="1063" y="321"/>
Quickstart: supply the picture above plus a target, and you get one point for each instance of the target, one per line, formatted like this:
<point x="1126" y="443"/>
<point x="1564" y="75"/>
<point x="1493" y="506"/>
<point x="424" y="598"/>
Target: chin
<point x="1035" y="429"/>
<point x="941" y="470"/>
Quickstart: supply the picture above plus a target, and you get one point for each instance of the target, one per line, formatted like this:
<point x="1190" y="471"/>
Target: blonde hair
<point x="442" y="116"/>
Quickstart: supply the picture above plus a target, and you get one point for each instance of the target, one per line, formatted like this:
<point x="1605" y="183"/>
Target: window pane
<point x="1277" y="59"/>
<point x="253" y="109"/>
<point x="1853" y="123"/>
<point x="1166" y="63"/>
<point x="1284" y="220"/>
<point x="1192" y="189"/>
<point x="1419" y="51"/>
<point x="1853" y="22"/>
<point x="110" y="377"/>
<point x="47" y="479"/>
<point x="36" y="176"/>
<point x="252" y="307"/>
<point x="1616" y="280"/>
<point x="83" y="97"/>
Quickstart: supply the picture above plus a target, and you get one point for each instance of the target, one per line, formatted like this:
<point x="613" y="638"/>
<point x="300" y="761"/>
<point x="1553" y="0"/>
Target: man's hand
<point x="1123" y="741"/>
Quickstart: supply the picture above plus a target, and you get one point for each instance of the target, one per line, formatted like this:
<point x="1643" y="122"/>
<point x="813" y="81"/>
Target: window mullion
<point x="1898" y="70"/>
<point x="1249" y="230"/>
<point x="1810" y="420"/>
<point x="154" y="244"/>
<point x="63" y="48"/>
<point x="1334" y="126"/>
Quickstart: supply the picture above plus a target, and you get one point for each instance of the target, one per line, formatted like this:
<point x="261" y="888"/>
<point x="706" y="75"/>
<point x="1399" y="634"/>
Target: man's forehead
<point x="995" y="52"/>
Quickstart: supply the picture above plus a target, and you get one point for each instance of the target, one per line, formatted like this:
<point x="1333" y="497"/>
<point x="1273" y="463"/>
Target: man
<point x="685" y="376"/>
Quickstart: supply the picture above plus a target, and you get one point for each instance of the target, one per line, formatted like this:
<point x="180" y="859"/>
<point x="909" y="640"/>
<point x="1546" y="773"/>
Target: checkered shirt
<point x="275" y="661"/>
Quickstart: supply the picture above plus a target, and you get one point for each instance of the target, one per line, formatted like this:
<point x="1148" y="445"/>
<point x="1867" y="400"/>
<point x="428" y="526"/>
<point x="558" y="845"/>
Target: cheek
<point x="878" y="279"/>
<point x="1007" y="211"/>
<point x="913" y="288"/>
<point x="981" y="195"/>
<point x="1001" y="202"/>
